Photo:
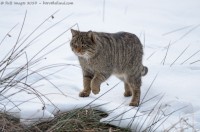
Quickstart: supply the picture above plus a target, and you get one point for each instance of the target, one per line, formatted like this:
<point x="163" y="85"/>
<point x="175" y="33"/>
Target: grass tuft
<point x="86" y="120"/>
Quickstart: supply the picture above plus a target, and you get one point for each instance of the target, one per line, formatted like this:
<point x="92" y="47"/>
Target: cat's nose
<point x="78" y="50"/>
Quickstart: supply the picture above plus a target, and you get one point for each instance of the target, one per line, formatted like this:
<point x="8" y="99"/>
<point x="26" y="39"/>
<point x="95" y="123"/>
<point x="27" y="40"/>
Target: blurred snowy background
<point x="168" y="30"/>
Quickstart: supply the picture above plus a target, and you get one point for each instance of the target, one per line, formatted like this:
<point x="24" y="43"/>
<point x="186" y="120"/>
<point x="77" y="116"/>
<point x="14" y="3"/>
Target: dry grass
<point x="83" y="121"/>
<point x="9" y="123"/>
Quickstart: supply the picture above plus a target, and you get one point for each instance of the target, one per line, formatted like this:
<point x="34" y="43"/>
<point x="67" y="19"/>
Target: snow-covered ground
<point x="172" y="82"/>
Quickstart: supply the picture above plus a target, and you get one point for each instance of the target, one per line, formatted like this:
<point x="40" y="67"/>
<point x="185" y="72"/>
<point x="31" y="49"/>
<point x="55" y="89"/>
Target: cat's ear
<point x="91" y="36"/>
<point x="74" y="32"/>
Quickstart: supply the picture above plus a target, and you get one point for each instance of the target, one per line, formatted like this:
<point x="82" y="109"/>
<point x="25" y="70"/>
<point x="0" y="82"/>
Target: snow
<point x="157" y="23"/>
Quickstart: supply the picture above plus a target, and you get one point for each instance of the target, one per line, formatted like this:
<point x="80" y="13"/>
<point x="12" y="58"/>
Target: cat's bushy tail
<point x="144" y="71"/>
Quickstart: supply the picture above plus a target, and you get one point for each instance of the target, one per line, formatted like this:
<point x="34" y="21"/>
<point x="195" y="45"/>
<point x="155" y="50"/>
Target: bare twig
<point x="176" y="30"/>
<point x="20" y="30"/>
<point x="166" y="117"/>
<point x="195" y="61"/>
<point x="163" y="61"/>
<point x="154" y="107"/>
<point x="17" y="77"/>
<point x="7" y="34"/>
<point x="190" y="57"/>
<point x="151" y="55"/>
<point x="180" y="55"/>
<point x="195" y="27"/>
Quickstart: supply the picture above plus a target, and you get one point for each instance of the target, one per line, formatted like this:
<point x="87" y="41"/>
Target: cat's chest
<point x="88" y="63"/>
<point x="91" y="63"/>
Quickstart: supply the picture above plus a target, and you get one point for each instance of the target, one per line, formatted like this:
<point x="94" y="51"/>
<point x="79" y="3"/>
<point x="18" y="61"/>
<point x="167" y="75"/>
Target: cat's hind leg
<point x="127" y="88"/>
<point x="135" y="84"/>
<point x="128" y="91"/>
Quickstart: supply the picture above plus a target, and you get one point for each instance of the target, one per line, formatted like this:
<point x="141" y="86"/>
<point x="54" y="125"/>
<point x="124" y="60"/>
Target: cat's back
<point x="119" y="37"/>
<point x="120" y="44"/>
<point x="122" y="50"/>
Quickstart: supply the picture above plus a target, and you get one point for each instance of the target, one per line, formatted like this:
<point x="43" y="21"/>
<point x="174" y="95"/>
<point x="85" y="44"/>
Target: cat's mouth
<point x="83" y="55"/>
<point x="79" y="54"/>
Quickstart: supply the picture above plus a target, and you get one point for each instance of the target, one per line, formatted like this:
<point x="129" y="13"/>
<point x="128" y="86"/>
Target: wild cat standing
<point x="104" y="54"/>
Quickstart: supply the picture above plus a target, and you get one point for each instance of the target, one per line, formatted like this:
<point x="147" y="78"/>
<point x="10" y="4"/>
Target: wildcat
<point x="104" y="54"/>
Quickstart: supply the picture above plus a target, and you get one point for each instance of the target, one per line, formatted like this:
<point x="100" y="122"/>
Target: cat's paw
<point x="84" y="94"/>
<point x="135" y="103"/>
<point x="127" y="94"/>
<point x="95" y="90"/>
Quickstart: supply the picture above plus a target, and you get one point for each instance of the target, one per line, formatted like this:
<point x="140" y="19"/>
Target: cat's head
<point x="83" y="43"/>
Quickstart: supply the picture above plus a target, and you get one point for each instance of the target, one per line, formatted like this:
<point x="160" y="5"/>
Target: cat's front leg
<point x="87" y="77"/>
<point x="96" y="82"/>
<point x="86" y="84"/>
